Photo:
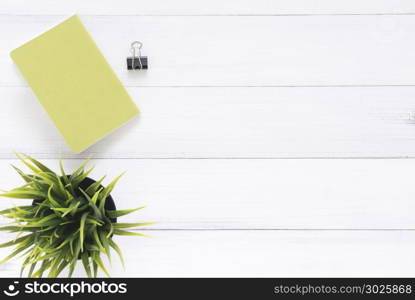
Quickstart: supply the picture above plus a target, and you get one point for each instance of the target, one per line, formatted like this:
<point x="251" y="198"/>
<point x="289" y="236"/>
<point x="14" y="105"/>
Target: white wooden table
<point x="275" y="137"/>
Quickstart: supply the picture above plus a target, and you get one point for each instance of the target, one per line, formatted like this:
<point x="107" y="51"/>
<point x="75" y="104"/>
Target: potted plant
<point x="70" y="218"/>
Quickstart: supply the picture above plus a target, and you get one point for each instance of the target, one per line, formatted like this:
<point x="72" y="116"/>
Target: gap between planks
<point x="88" y="155"/>
<point x="274" y="229"/>
<point x="213" y="15"/>
<point x="246" y="86"/>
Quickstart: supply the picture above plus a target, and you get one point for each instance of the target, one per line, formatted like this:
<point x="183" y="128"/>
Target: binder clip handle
<point x="136" y="48"/>
<point x="136" y="61"/>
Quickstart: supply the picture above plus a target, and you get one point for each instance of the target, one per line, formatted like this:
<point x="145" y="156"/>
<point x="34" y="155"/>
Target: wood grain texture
<point x="212" y="7"/>
<point x="231" y="123"/>
<point x="241" y="51"/>
<point x="260" y="254"/>
<point x="257" y="194"/>
<point x="224" y="101"/>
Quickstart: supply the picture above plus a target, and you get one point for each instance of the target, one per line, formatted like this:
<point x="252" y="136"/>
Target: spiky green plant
<point x="64" y="222"/>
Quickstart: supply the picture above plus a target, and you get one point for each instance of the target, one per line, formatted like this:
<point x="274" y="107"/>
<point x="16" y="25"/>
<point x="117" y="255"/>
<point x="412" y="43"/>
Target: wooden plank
<point x="241" y="50"/>
<point x="231" y="122"/>
<point x="256" y="194"/>
<point x="259" y="254"/>
<point x="212" y="7"/>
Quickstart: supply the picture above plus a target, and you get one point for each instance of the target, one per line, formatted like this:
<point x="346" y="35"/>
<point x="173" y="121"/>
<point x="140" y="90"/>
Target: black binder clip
<point x="137" y="62"/>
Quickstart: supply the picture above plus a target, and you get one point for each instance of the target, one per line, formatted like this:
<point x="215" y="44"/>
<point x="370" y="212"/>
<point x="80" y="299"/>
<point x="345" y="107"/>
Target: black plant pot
<point x="109" y="202"/>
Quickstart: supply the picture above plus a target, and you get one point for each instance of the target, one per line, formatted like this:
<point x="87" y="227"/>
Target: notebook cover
<point x="75" y="84"/>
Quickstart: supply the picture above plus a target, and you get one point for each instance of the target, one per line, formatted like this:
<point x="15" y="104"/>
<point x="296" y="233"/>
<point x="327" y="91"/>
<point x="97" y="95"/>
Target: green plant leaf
<point x="93" y="188"/>
<point x="45" y="221"/>
<point x="16" y="229"/>
<point x="61" y="187"/>
<point x="24" y="194"/>
<point x="93" y="221"/>
<point x="76" y="180"/>
<point x="120" y="213"/>
<point x="38" y="164"/>
<point x="25" y="177"/>
<point x="55" y="265"/>
<point x="97" y="259"/>
<point x="105" y="243"/>
<point x="107" y="191"/>
<point x="85" y="262"/>
<point x="130" y="225"/>
<point x="92" y="204"/>
<point x="92" y="248"/>
<point x="21" y="208"/>
<point x="20" y="247"/>
<point x="111" y="230"/>
<point x="63" y="174"/>
<point x="117" y="249"/>
<point x="95" y="267"/>
<point x="96" y="239"/>
<point x="72" y="208"/>
<point x="95" y="197"/>
<point x="124" y="232"/>
<point x="82" y="230"/>
<point x="51" y="199"/>
<point x="45" y="265"/>
<point x="24" y="265"/>
<point x="80" y="169"/>
<point x="70" y="189"/>
<point x="30" y="166"/>
<point x="52" y="179"/>
<point x="61" y="267"/>
<point x="44" y="257"/>
<point x="32" y="268"/>
<point x="16" y="241"/>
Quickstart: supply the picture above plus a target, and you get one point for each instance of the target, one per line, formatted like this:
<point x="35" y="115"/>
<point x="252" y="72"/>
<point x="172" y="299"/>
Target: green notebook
<point x="75" y="84"/>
